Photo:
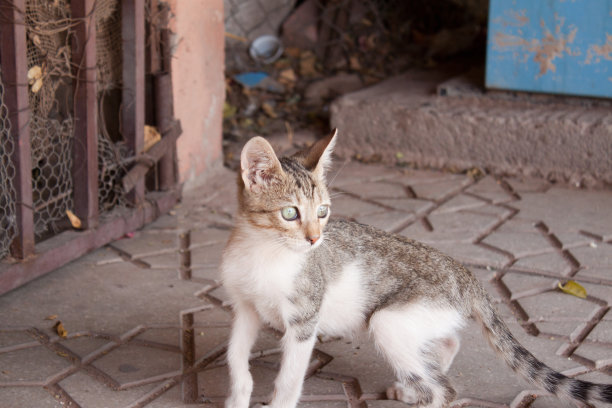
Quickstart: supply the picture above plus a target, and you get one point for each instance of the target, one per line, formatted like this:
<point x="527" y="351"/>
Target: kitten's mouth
<point x="303" y="246"/>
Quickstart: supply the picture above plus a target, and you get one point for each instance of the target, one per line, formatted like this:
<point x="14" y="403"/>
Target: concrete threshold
<point x="431" y="119"/>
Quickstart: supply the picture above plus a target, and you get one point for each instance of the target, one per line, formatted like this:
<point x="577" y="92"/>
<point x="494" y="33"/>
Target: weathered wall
<point x="199" y="85"/>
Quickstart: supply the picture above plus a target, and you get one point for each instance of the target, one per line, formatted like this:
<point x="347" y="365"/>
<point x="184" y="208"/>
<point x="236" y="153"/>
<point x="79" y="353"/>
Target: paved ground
<point x="132" y="321"/>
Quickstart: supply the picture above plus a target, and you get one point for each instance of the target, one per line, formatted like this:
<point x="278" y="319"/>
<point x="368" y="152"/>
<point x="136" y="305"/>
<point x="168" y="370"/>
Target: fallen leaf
<point x="308" y="64"/>
<point x="573" y="288"/>
<point x="37" y="85"/>
<point x="74" y="220"/>
<point x="229" y="110"/>
<point x="36" y="40"/>
<point x="475" y="173"/>
<point x="151" y="137"/>
<point x="60" y="330"/>
<point x="34" y="73"/>
<point x="293" y="52"/>
<point x="269" y="110"/>
<point x="287" y="76"/>
<point x="51" y="317"/>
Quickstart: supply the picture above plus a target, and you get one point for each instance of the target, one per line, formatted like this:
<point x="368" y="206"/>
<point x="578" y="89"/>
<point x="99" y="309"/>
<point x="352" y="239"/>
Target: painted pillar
<point x="198" y="82"/>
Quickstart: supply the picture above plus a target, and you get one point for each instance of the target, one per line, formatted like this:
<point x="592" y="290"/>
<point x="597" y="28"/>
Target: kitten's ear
<point x="259" y="165"/>
<point x="318" y="158"/>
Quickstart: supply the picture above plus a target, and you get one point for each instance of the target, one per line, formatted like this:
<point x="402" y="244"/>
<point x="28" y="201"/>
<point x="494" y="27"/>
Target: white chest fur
<point x="265" y="277"/>
<point x="262" y="276"/>
<point x="344" y="303"/>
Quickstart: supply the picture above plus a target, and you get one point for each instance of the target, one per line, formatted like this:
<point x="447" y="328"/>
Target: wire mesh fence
<point x="51" y="89"/>
<point x="8" y="218"/>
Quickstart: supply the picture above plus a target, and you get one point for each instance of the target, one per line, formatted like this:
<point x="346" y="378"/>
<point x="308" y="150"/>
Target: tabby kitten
<point x="288" y="265"/>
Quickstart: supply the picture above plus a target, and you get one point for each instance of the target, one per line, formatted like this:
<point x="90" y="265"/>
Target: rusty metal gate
<point x="80" y="81"/>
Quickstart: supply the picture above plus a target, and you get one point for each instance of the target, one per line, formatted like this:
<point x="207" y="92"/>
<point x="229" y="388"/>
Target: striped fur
<point x="527" y="365"/>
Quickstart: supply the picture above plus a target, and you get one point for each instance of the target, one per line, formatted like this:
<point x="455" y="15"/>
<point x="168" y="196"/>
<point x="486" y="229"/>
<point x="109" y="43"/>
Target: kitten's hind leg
<point x="403" y="337"/>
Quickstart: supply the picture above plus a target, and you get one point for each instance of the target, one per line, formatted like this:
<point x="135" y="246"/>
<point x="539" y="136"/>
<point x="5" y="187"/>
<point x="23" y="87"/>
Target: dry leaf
<point x="573" y="288"/>
<point x="475" y="173"/>
<point x="229" y="110"/>
<point x="287" y="76"/>
<point x="293" y="52"/>
<point x="308" y="64"/>
<point x="51" y="317"/>
<point x="74" y="220"/>
<point x="37" y="85"/>
<point x="151" y="137"/>
<point x="269" y="110"/>
<point x="60" y="330"/>
<point x="34" y="73"/>
<point x="36" y="40"/>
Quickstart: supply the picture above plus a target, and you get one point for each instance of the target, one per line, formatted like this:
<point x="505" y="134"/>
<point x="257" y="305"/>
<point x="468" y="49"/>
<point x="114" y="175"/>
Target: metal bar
<point x="85" y="145"/>
<point x="14" y="75"/>
<point x="137" y="173"/>
<point x="164" y="111"/>
<point x="189" y="385"/>
<point x="164" y="102"/>
<point x="184" y="255"/>
<point x="133" y="93"/>
<point x="69" y="245"/>
<point x="153" y="55"/>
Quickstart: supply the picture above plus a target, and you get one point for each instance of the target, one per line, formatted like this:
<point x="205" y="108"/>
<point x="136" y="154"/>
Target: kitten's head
<point x="286" y="199"/>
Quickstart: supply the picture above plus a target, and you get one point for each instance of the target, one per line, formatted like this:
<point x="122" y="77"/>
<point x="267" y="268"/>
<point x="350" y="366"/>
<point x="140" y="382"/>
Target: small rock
<point x="331" y="87"/>
<point x="300" y="28"/>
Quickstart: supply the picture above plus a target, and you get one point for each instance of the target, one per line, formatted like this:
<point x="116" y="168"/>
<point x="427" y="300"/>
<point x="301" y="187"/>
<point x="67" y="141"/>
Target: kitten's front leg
<point x="244" y="333"/>
<point x="297" y="349"/>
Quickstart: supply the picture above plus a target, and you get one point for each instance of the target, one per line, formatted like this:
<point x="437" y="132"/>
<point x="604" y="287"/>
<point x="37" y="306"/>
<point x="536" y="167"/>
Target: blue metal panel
<point x="553" y="46"/>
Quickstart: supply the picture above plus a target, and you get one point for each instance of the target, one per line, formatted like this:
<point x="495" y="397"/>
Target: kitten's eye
<point x="322" y="211"/>
<point x="289" y="213"/>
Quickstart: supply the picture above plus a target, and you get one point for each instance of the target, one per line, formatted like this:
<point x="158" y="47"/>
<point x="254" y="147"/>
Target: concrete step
<point x="429" y="119"/>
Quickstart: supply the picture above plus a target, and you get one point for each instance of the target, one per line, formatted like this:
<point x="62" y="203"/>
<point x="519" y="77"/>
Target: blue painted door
<point x="553" y="46"/>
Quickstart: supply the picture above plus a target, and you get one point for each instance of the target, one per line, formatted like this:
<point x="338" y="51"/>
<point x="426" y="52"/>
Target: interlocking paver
<point x="352" y="207"/>
<point x="29" y="397"/>
<point x="460" y="202"/>
<point x="438" y="190"/>
<point x="491" y="190"/>
<point x="373" y="190"/>
<point x="411" y="205"/>
<point x="122" y="304"/>
<point x="388" y="220"/>
<point x="552" y="262"/>
<point x="519" y="244"/>
<point x="31" y="365"/>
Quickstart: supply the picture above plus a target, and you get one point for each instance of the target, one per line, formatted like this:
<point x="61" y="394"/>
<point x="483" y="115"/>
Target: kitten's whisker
<point x="338" y="172"/>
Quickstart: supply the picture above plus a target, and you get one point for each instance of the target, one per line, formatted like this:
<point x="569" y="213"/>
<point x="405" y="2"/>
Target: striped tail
<point x="527" y="365"/>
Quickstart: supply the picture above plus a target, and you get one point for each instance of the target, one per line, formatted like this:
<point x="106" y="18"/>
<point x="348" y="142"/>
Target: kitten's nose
<point x="312" y="239"/>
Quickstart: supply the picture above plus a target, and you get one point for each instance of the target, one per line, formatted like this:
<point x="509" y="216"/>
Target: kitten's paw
<point x="400" y="392"/>
<point x="259" y="405"/>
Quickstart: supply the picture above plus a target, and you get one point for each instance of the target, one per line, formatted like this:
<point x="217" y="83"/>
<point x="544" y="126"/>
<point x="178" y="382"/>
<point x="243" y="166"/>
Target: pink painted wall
<point x="199" y="84"/>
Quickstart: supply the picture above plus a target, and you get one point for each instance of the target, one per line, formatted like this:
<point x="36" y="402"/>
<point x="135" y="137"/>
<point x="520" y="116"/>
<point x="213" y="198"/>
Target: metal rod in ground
<point x="189" y="385"/>
<point x="184" y="253"/>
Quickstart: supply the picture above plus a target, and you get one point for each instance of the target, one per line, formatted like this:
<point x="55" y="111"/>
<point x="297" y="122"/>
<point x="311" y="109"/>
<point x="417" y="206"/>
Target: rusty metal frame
<point x="30" y="260"/>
